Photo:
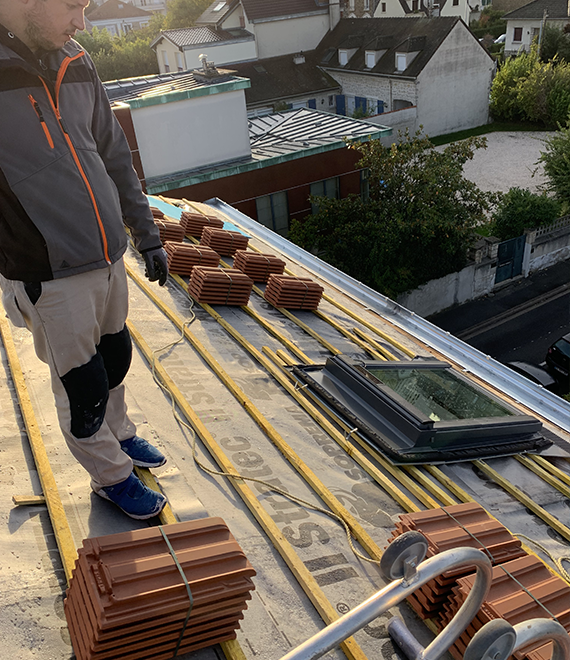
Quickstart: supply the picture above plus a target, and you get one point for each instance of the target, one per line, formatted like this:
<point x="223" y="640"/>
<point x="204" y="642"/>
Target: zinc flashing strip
<point x="285" y="549"/>
<point x="182" y="95"/>
<point x="62" y="531"/>
<point x="544" y="403"/>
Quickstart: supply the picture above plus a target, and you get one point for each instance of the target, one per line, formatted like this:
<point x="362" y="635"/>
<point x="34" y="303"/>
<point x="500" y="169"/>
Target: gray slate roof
<point x="196" y="36"/>
<point x="390" y="34"/>
<point x="555" y="9"/>
<point x="117" y="9"/>
<point x="278" y="78"/>
<point x="261" y="9"/>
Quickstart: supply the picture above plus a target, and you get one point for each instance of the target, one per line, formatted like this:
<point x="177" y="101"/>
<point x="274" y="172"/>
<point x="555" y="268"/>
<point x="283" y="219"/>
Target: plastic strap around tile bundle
<point x="267" y="267"/>
<point x="483" y="546"/>
<point x="230" y="287"/>
<point x="306" y="292"/>
<point x="190" y="596"/>
<point x="505" y="570"/>
<point x="201" y="255"/>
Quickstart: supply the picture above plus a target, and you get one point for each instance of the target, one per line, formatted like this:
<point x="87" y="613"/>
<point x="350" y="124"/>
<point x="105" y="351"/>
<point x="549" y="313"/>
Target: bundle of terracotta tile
<point x="182" y="257"/>
<point x="224" y="242"/>
<point x="220" y="286"/>
<point x="293" y="292"/>
<point x="127" y="599"/>
<point x="258" y="266"/>
<point x="156" y="213"/>
<point x="194" y="223"/>
<point x="521" y="589"/>
<point x="169" y="230"/>
<point x="460" y="525"/>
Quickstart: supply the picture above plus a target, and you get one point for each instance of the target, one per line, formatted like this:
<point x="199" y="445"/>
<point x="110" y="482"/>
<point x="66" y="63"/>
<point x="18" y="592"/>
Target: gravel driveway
<point x="510" y="160"/>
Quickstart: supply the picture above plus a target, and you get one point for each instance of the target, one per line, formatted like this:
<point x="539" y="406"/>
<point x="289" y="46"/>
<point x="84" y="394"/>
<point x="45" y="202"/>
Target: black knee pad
<point x="87" y="388"/>
<point x="117" y="351"/>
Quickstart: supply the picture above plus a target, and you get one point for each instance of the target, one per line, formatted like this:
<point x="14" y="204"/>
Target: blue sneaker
<point x="142" y="453"/>
<point x="134" y="498"/>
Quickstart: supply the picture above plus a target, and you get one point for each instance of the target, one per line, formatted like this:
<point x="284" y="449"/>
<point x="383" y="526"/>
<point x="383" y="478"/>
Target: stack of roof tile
<point x="521" y="589"/>
<point x="127" y="599"/>
<point x="460" y="525"/>
<point x="169" y="230"/>
<point x="293" y="292"/>
<point x="182" y="257"/>
<point x="194" y="223"/>
<point x="217" y="286"/>
<point x="156" y="213"/>
<point x="223" y="241"/>
<point x="258" y="266"/>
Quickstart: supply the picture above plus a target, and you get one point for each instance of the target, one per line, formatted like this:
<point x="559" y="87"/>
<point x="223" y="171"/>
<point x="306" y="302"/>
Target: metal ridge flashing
<point x="546" y="404"/>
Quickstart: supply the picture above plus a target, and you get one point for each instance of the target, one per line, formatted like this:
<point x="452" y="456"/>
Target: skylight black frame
<point x="390" y="423"/>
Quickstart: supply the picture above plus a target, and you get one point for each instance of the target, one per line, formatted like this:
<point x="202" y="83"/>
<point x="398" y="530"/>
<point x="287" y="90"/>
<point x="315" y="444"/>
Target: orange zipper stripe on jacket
<point x="55" y="107"/>
<point x="37" y="110"/>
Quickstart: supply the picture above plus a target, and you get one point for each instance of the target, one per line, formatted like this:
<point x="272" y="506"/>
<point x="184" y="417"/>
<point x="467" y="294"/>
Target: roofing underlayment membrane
<point x="252" y="432"/>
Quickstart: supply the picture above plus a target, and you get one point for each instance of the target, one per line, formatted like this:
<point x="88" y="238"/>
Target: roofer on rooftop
<point x="67" y="185"/>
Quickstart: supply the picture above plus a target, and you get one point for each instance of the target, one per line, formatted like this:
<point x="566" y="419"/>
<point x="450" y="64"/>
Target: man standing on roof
<point x="67" y="185"/>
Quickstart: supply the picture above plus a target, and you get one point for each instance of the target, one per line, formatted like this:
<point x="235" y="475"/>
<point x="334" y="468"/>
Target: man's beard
<point x="35" y="28"/>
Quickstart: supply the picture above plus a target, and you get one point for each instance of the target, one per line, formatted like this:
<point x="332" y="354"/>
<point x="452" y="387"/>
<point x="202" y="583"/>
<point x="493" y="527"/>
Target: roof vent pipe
<point x="299" y="58"/>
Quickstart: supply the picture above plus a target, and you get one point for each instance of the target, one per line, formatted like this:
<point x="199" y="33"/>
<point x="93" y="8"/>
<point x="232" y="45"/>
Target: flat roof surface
<point x="280" y="614"/>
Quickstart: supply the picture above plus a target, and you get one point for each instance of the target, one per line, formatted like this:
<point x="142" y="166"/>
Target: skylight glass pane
<point x="219" y="6"/>
<point x="440" y="394"/>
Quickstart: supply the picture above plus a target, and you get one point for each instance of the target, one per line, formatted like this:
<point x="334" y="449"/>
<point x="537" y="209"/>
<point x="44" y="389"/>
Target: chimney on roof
<point x="334" y="13"/>
<point x="299" y="58"/>
<point x="208" y="70"/>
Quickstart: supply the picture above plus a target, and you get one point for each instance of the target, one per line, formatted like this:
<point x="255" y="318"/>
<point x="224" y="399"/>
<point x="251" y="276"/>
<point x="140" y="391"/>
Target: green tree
<point x="505" y="96"/>
<point x="183" y="13"/>
<point x="556" y="162"/>
<point x="555" y="43"/>
<point x="520" y="209"/>
<point x="416" y="224"/>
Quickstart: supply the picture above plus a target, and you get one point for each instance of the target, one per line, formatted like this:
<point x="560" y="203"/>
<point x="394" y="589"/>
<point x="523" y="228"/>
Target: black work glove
<point x="156" y="265"/>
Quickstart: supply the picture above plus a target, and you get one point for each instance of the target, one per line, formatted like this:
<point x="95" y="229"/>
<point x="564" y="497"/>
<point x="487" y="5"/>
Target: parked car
<point x="501" y="39"/>
<point x="558" y="360"/>
<point x="534" y="373"/>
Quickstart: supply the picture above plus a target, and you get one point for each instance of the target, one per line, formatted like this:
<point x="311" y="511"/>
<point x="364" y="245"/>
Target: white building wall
<point x="376" y="87"/>
<point x="289" y="36"/>
<point x="165" y="46"/>
<point x="221" y="53"/>
<point x="453" y="88"/>
<point x="235" y="19"/>
<point x="530" y="29"/>
<point x="192" y="133"/>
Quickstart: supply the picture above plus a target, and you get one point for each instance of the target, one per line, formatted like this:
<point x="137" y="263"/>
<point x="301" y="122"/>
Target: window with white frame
<point x="366" y="5"/>
<point x="165" y="61"/>
<point x="342" y="57"/>
<point x="370" y="59"/>
<point x="273" y="212"/>
<point x="401" y="64"/>
<point x="383" y="7"/>
<point x="179" y="61"/>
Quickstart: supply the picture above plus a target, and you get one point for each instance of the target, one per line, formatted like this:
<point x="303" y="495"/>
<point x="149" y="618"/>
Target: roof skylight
<point x="219" y="6"/>
<point x="422" y="411"/>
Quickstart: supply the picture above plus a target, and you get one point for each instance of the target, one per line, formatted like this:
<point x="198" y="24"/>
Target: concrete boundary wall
<point x="478" y="279"/>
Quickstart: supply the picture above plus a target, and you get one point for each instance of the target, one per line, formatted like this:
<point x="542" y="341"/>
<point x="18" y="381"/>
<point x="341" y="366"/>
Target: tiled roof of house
<point x="392" y="35"/>
<point x="196" y="36"/>
<point x="261" y="9"/>
<point x="277" y="78"/>
<point x="554" y="8"/>
<point x="117" y="9"/>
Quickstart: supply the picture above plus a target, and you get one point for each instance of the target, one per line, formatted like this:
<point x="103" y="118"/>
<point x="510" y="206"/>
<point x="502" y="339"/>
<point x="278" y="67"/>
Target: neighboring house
<point x="524" y="24"/>
<point x="358" y="8"/>
<point x="436" y="65"/>
<point x="427" y="8"/>
<point x="180" y="50"/>
<point x="190" y="137"/>
<point x="281" y="27"/>
<point x="118" y="17"/>
<point x="288" y="81"/>
<point x="155" y="6"/>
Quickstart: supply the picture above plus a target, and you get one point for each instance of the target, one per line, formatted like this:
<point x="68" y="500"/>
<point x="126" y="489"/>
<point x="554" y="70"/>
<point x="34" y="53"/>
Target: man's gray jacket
<point x="67" y="183"/>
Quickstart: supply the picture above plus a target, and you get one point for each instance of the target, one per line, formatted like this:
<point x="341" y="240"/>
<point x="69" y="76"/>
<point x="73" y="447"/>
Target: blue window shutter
<point x="312" y="103"/>
<point x="340" y="104"/>
<point x="360" y="103"/>
<point x="380" y="107"/>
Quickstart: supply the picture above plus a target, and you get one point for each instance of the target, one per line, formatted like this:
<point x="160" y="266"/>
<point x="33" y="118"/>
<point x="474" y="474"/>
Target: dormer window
<point x="401" y="62"/>
<point x="342" y="57"/>
<point x="371" y="58"/>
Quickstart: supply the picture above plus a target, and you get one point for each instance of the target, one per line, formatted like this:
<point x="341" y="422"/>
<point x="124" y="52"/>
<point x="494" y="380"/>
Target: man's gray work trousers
<point x="78" y="325"/>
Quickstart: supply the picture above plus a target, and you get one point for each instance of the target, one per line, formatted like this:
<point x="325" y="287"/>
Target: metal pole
<point x="397" y="591"/>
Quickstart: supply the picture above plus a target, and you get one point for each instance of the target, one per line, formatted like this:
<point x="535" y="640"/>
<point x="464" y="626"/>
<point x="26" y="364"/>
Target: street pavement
<point x="518" y="322"/>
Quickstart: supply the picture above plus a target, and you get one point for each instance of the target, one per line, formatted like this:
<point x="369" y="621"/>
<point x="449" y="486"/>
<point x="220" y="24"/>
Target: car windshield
<point x="563" y="346"/>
